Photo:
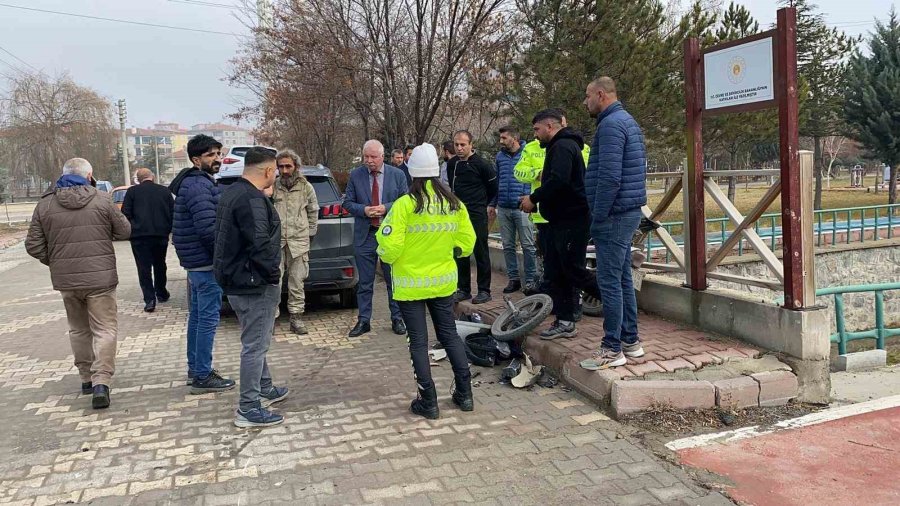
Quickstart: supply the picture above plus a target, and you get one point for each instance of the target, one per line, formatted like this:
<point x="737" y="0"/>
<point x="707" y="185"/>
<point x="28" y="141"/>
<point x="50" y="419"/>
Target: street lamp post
<point x="123" y="140"/>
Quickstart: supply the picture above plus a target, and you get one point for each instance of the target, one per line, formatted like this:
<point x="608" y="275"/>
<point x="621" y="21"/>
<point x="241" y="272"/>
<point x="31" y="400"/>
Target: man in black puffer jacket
<point x="247" y="265"/>
<point x="561" y="200"/>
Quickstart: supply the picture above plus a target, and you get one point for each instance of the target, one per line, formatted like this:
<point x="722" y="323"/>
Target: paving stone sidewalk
<point x="348" y="437"/>
<point x="669" y="346"/>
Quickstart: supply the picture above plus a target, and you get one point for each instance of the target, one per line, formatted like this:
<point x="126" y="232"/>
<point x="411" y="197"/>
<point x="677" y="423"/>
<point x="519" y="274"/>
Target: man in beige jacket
<point x="72" y="230"/>
<point x="297" y="206"/>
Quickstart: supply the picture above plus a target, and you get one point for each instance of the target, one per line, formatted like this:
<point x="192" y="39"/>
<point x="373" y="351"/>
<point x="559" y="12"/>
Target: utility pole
<point x="123" y="140"/>
<point x="156" y="156"/>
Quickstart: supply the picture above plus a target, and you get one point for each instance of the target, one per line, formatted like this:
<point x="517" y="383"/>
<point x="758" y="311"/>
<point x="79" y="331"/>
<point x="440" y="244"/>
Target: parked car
<point x="118" y="195"/>
<point x="233" y="161"/>
<point x="105" y="186"/>
<point x="332" y="268"/>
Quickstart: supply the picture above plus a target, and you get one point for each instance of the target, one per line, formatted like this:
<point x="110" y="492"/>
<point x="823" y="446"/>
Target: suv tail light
<point x="333" y="211"/>
<point x="229" y="160"/>
<point x="348" y="272"/>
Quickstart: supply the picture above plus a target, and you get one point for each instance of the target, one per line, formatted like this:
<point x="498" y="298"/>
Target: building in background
<point x="168" y="141"/>
<point x="228" y="135"/>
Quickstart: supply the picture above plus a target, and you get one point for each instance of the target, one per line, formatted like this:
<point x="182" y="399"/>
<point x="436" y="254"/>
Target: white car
<point x="233" y="162"/>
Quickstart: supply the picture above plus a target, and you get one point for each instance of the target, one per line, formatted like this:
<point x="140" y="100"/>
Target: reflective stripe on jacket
<point x="420" y="247"/>
<point x="530" y="166"/>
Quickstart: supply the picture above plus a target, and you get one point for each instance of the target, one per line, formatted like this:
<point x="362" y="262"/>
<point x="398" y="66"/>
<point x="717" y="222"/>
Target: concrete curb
<point x="618" y="390"/>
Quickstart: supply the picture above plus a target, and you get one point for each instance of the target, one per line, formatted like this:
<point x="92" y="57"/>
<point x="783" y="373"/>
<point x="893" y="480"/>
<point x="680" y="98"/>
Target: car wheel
<point x="348" y="298"/>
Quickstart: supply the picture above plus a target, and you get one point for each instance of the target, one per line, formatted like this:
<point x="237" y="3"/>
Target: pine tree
<point x="873" y="97"/>
<point x="822" y="66"/>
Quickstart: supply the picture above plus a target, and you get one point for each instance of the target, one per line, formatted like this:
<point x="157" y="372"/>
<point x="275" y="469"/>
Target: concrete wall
<point x="854" y="264"/>
<point x="799" y="337"/>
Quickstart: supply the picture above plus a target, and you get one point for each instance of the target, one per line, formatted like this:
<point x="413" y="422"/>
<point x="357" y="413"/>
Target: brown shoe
<point x="297" y="326"/>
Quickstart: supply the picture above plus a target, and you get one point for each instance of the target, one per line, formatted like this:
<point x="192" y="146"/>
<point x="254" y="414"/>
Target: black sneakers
<point x="460" y="296"/>
<point x="212" y="383"/>
<point x="481" y="298"/>
<point x="514" y="286"/>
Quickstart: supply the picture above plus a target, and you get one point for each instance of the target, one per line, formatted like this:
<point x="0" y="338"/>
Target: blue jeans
<point x="206" y="301"/>
<point x="366" y="260"/>
<point x="514" y="222"/>
<point x="256" y="314"/>
<point x="612" y="240"/>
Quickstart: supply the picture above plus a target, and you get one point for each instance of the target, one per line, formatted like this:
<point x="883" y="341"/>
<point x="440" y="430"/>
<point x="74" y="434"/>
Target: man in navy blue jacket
<point x="371" y="191"/>
<point x="513" y="222"/>
<point x="615" y="184"/>
<point x="193" y="234"/>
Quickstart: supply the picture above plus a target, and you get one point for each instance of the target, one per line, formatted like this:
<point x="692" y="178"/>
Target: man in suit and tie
<point x="371" y="191"/>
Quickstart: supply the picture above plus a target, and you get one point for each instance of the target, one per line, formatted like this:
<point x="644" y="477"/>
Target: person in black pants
<point x="421" y="236"/>
<point x="149" y="208"/>
<point x="561" y="200"/>
<point x="474" y="181"/>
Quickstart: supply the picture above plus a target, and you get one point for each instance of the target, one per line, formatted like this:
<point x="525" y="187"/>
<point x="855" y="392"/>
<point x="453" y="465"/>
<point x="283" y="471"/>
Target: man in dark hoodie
<point x="193" y="234"/>
<point x="562" y="202"/>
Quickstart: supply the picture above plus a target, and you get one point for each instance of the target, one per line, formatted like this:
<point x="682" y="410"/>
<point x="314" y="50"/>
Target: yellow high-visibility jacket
<point x="530" y="166"/>
<point x="420" y="247"/>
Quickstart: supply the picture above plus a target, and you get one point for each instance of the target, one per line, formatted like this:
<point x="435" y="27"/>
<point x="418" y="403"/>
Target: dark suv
<point x="332" y="268"/>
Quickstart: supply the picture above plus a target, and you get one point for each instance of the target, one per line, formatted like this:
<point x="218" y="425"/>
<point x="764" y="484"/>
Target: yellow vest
<point x="419" y="247"/>
<point x="530" y="166"/>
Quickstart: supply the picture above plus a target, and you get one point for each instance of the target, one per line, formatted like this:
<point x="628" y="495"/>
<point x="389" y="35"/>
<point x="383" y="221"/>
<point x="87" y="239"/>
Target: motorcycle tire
<point x="532" y="311"/>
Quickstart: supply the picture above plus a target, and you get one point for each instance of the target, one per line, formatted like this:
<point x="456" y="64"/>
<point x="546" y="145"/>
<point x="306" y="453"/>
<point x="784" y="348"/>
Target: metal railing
<point x="878" y="333"/>
<point x="879" y="220"/>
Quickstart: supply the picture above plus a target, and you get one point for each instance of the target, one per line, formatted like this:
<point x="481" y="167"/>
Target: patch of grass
<point x="14" y="227"/>
<point x="746" y="199"/>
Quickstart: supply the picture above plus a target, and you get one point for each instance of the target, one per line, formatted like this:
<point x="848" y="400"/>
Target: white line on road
<point x="818" y="417"/>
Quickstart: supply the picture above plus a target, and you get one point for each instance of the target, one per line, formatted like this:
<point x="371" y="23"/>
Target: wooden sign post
<point x="749" y="74"/>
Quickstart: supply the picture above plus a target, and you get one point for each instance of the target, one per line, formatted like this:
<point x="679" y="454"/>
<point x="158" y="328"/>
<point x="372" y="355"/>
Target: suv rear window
<point x="242" y="151"/>
<point x="325" y="189"/>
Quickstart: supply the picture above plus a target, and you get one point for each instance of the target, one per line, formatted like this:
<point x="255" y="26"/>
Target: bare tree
<point x="332" y="71"/>
<point x="833" y="146"/>
<point x="48" y="120"/>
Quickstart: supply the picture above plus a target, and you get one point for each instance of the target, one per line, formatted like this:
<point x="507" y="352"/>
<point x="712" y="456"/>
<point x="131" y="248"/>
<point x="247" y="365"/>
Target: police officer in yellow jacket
<point x="422" y="235"/>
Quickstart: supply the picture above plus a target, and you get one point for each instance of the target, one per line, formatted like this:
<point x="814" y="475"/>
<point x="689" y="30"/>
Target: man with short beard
<point x="297" y="206"/>
<point x="561" y="200"/>
<point x="616" y="189"/>
<point x="397" y="158"/>
<point x="194" y="234"/>
<point x="247" y="265"/>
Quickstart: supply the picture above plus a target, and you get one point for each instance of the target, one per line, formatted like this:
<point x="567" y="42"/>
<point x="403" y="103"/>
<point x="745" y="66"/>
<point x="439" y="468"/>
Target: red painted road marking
<point x="852" y="460"/>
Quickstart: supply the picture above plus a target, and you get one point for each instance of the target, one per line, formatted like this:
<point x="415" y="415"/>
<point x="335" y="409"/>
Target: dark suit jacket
<point x="358" y="196"/>
<point x="149" y="207"/>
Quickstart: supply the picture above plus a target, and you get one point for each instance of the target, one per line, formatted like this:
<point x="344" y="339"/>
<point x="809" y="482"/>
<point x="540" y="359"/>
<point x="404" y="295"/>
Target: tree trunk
<point x="892" y="186"/>
<point x="817" y="170"/>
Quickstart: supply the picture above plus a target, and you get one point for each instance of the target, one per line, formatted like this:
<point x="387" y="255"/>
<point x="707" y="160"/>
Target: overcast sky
<point x="162" y="74"/>
<point x="175" y="75"/>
